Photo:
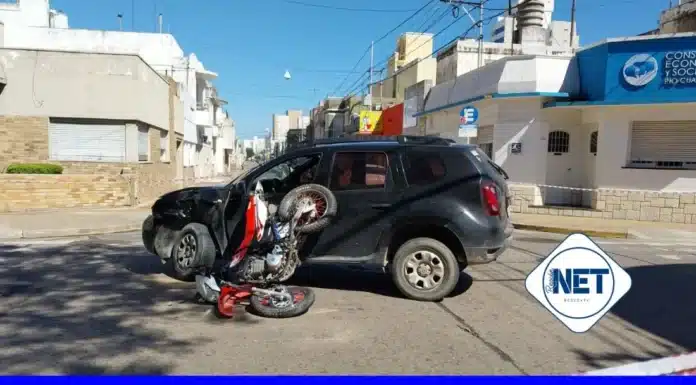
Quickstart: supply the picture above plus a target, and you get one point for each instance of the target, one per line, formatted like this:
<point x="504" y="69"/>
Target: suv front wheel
<point x="425" y="269"/>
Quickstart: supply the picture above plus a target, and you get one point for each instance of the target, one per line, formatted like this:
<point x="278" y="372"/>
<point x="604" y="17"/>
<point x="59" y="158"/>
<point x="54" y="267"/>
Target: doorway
<point x="559" y="171"/>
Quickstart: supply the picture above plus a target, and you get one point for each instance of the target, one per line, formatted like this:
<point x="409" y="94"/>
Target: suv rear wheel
<point x="425" y="269"/>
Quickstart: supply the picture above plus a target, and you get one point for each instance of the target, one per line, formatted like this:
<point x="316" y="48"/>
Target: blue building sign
<point x="680" y="68"/>
<point x="656" y="70"/>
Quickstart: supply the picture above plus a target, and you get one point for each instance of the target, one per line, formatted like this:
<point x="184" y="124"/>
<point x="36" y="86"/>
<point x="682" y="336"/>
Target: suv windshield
<point x="246" y="173"/>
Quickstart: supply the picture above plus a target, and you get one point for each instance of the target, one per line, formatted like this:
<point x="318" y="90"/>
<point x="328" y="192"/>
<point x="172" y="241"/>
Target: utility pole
<point x="512" y="28"/>
<point x="133" y="15"/>
<point x="480" y="42"/>
<point x="572" y="25"/>
<point x="479" y="4"/>
<point x="372" y="64"/>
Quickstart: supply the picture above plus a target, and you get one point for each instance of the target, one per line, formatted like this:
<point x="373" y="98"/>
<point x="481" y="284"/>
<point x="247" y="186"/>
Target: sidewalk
<point x="77" y="222"/>
<point x="602" y="228"/>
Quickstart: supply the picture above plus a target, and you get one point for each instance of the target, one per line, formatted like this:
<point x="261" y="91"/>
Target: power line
<point x="457" y="38"/>
<point x="346" y="8"/>
<point x="386" y="61"/>
<point x="339" y="87"/>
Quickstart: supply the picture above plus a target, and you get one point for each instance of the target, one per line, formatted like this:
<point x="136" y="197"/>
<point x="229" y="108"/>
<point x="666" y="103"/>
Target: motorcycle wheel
<point x="302" y="299"/>
<point x="323" y="198"/>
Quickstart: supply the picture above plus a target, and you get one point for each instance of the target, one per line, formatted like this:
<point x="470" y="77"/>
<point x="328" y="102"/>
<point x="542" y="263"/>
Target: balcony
<point x="204" y="117"/>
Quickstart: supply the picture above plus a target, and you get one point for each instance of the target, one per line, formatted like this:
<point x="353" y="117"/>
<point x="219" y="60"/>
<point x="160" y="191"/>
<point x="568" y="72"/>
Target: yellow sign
<point x="370" y="122"/>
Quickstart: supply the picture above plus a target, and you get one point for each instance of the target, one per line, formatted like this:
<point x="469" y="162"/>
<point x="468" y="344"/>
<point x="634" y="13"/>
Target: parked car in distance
<point x="419" y="208"/>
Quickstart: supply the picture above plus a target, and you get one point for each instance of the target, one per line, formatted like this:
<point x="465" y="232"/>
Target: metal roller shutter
<point x="95" y="142"/>
<point x="484" y="135"/>
<point x="667" y="141"/>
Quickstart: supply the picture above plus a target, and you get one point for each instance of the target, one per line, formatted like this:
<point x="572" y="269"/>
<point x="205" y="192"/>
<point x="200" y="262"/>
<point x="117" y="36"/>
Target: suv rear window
<point x="358" y="171"/>
<point x="423" y="167"/>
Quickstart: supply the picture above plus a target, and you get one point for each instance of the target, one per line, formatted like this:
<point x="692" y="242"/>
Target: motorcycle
<point x="269" y="255"/>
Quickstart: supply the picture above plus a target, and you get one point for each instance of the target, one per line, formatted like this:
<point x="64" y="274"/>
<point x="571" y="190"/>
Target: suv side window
<point x="359" y="171"/>
<point x="423" y="168"/>
<point x="290" y="174"/>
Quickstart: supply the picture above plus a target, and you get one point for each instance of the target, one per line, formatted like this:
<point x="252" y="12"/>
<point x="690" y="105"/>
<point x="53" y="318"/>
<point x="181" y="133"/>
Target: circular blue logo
<point x="640" y="70"/>
<point x="468" y="115"/>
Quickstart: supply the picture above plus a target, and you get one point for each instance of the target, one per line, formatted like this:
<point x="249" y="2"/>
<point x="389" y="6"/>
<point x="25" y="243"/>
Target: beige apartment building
<point x="95" y="114"/>
<point x="412" y="62"/>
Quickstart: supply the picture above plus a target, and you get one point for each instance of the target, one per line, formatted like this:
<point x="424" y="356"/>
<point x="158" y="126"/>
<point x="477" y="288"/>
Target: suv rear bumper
<point x="477" y="256"/>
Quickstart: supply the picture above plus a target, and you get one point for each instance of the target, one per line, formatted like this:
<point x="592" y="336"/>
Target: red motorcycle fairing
<point x="253" y="229"/>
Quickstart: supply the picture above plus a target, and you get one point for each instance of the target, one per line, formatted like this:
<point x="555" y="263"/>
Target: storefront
<point x="612" y="129"/>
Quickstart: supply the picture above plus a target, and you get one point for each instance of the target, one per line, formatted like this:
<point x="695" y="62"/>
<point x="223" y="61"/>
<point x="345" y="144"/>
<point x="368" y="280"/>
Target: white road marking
<point x="43" y="242"/>
<point x="669" y="256"/>
<point x="638" y="235"/>
<point x="652" y="244"/>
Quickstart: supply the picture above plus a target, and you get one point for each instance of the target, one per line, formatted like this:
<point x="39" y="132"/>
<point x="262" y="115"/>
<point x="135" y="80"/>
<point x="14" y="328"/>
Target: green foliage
<point x="34" y="168"/>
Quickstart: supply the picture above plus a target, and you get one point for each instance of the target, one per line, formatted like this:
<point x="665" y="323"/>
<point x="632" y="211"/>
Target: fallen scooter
<point x="269" y="256"/>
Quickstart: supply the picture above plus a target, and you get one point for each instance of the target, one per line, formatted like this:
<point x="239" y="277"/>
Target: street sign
<point x="516" y="147"/>
<point x="468" y="117"/>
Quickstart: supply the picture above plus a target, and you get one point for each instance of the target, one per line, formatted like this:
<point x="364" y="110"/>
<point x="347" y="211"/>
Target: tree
<point x="249" y="152"/>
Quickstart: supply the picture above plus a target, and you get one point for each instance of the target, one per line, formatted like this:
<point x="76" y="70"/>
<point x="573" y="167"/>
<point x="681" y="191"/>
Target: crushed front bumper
<point x="149" y="233"/>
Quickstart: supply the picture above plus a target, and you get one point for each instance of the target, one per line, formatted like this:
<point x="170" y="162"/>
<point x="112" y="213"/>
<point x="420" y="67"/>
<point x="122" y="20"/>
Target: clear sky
<point x="251" y="43"/>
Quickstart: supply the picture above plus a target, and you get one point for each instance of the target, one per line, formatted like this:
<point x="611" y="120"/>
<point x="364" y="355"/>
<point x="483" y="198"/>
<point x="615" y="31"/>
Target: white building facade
<point x="608" y="133"/>
<point x="33" y="24"/>
<point x="530" y="30"/>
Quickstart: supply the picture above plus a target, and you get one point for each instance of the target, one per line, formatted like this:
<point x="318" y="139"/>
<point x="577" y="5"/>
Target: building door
<point x="559" y="168"/>
<point x="484" y="139"/>
<point x="590" y="163"/>
<point x="86" y="141"/>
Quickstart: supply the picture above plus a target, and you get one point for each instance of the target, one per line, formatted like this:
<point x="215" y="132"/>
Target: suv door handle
<point x="381" y="206"/>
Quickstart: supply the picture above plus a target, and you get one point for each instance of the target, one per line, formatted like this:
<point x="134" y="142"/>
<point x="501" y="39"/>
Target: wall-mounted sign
<point x="678" y="69"/>
<point x="370" y="122"/>
<point x="468" y="116"/>
<point x="516" y="148"/>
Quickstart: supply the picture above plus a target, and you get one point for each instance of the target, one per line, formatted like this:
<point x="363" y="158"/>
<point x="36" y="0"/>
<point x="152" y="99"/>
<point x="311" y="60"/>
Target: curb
<point x="65" y="233"/>
<point x="566" y="230"/>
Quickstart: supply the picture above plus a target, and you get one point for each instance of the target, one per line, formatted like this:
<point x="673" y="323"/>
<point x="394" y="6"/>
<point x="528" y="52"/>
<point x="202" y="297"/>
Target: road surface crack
<point x="463" y="325"/>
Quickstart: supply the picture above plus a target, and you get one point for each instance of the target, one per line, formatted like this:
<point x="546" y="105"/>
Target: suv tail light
<point x="490" y="199"/>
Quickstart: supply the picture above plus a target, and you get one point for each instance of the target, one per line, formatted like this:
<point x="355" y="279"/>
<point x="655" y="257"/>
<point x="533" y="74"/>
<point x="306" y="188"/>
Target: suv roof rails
<point x="402" y="139"/>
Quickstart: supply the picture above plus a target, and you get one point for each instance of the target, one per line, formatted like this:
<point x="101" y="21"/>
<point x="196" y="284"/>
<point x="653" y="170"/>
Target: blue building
<point x="612" y="129"/>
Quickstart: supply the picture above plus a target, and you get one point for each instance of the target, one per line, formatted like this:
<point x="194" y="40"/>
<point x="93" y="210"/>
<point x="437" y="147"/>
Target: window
<point x="423" y="168"/>
<point x="289" y="174"/>
<point x="143" y="144"/>
<point x="663" y="144"/>
<point x="164" y="146"/>
<point x="359" y="170"/>
<point x="559" y="142"/>
<point x="593" y="142"/>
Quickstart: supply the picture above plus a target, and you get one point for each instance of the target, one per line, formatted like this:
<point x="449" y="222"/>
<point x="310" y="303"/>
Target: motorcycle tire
<point x="263" y="307"/>
<point x="286" y="209"/>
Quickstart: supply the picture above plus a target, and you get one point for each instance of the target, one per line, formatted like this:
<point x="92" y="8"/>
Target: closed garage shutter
<point x="87" y="141"/>
<point x="484" y="135"/>
<point x="668" y="144"/>
<point x="484" y="139"/>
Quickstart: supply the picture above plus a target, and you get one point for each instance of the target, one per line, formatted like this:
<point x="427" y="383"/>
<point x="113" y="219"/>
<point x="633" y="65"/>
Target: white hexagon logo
<point x="578" y="283"/>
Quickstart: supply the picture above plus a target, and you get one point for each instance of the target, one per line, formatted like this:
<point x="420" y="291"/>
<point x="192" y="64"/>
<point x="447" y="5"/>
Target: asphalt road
<point x="102" y="305"/>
